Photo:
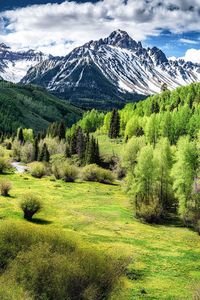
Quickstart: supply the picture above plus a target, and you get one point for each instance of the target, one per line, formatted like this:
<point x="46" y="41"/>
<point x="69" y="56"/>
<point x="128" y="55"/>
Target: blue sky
<point x="57" y="27"/>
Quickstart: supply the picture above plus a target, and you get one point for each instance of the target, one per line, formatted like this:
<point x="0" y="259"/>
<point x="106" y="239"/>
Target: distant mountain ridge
<point x="110" y="72"/>
<point x="15" y="64"/>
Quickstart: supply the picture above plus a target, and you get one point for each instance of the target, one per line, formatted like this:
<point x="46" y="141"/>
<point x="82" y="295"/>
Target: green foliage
<point x="52" y="266"/>
<point x="20" y="135"/>
<point x="184" y="173"/>
<point x="94" y="173"/>
<point x="28" y="135"/>
<point x="170" y="114"/>
<point x="114" y="128"/>
<point x="5" y="187"/>
<point x="35" y="149"/>
<point x="4" y="165"/>
<point x="57" y="129"/>
<point x="37" y="169"/>
<point x="69" y="173"/>
<point x="16" y="150"/>
<point x="148" y="178"/>
<point x="92" y="151"/>
<point x="44" y="154"/>
<point x="31" y="204"/>
<point x="26" y="152"/>
<point x="143" y="187"/>
<point x="32" y="107"/>
<point x="91" y="121"/>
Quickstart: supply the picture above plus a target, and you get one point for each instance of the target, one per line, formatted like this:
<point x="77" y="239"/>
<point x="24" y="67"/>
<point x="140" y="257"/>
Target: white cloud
<point x="48" y="27"/>
<point x="188" y="41"/>
<point x="192" y="55"/>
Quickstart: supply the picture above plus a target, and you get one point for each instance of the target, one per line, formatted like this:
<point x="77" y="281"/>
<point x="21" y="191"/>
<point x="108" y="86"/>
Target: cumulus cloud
<point x="57" y="28"/>
<point x="192" y="55"/>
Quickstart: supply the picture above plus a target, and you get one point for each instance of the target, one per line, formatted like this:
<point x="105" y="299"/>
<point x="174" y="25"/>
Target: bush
<point x="5" y="187"/>
<point x="56" y="169"/>
<point x="27" y="152"/>
<point x="69" y="173"/>
<point x="53" y="266"/>
<point x="150" y="212"/>
<point x="16" y="150"/>
<point x="95" y="173"/>
<point x="4" y="165"/>
<point x="30" y="205"/>
<point x="37" y="169"/>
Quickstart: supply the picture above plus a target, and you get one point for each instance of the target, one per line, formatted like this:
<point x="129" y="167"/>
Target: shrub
<point x="37" y="169"/>
<point x="4" y="165"/>
<point x="150" y="212"/>
<point x="56" y="169"/>
<point x="53" y="266"/>
<point x="30" y="205"/>
<point x="5" y="187"/>
<point x="27" y="152"/>
<point x="95" y="173"/>
<point x="16" y="150"/>
<point x="69" y="173"/>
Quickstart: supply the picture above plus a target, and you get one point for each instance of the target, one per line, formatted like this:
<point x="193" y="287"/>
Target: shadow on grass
<point x="172" y="220"/>
<point x="40" y="221"/>
<point x="8" y="196"/>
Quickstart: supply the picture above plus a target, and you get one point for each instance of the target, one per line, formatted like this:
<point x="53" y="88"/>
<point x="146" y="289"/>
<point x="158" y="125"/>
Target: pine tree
<point x="44" y="154"/>
<point x="114" y="124"/>
<point x="35" y="149"/>
<point x="20" y="136"/>
<point x="67" y="151"/>
<point x="92" y="152"/>
<point x="80" y="144"/>
<point x="61" y="131"/>
<point x="72" y="143"/>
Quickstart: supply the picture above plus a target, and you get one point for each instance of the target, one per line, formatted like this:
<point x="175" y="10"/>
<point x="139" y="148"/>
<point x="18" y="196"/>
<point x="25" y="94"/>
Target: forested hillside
<point x="33" y="107"/>
<point x="160" y="137"/>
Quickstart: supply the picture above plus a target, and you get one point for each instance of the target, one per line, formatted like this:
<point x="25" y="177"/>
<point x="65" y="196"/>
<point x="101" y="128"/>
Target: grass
<point x="165" y="260"/>
<point x="108" y="146"/>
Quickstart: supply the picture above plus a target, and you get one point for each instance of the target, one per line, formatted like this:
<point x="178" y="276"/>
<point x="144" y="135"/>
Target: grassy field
<point x="165" y="259"/>
<point x="108" y="146"/>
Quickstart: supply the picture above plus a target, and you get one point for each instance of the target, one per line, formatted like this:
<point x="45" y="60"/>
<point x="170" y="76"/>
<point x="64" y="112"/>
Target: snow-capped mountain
<point x="110" y="69"/>
<point x="14" y="65"/>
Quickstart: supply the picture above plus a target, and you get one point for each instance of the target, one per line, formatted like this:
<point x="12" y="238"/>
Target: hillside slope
<point x="32" y="107"/>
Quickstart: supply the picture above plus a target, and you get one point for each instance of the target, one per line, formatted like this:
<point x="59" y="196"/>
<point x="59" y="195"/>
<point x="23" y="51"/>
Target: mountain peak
<point x="4" y="46"/>
<point x="158" y="55"/>
<point x="121" y="39"/>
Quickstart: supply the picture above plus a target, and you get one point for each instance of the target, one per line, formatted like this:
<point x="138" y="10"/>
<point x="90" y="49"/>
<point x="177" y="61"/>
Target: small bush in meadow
<point x="37" y="169"/>
<point x="4" y="165"/>
<point x="69" y="173"/>
<point x="30" y="205"/>
<point x="95" y="173"/>
<point x="149" y="212"/>
<point x="5" y="187"/>
<point x="56" y="169"/>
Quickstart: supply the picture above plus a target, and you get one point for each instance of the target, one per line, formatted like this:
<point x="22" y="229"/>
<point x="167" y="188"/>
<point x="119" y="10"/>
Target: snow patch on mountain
<point x="14" y="65"/>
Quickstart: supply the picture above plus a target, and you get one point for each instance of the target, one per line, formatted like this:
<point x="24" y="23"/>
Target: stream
<point x="18" y="167"/>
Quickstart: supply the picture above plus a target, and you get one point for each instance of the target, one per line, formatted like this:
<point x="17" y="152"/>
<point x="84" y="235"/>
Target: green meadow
<point x="164" y="259"/>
